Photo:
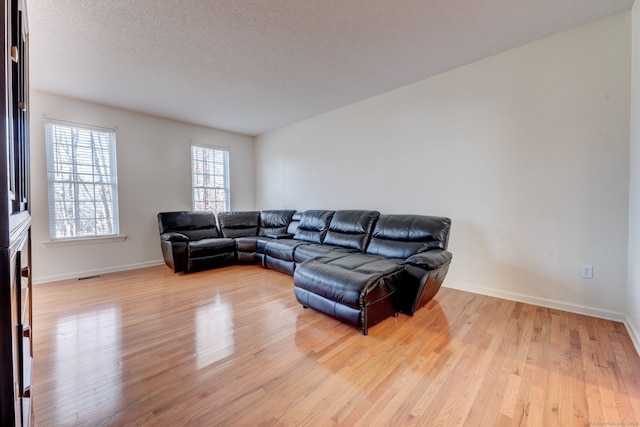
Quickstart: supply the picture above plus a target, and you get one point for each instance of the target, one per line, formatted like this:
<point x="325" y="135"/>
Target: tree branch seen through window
<point x="83" y="187"/>
<point x="210" y="178"/>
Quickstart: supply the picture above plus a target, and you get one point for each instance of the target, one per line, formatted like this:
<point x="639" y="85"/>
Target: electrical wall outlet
<point x="586" y="271"/>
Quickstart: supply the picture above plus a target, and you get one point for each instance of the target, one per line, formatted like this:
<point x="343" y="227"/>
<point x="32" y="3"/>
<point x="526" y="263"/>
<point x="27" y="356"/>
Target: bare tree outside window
<point x="210" y="178"/>
<point x="83" y="187"/>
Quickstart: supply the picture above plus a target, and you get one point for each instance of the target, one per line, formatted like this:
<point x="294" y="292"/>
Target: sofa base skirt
<point x="246" y="257"/>
<point x="363" y="319"/>
<point x="280" y="265"/>
<point x="205" y="263"/>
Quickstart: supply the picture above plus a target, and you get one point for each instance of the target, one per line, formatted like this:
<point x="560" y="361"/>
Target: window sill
<point x="83" y="241"/>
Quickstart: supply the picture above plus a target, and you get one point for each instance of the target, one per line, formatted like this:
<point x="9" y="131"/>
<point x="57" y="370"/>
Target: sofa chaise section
<point x="392" y="275"/>
<point x="355" y="288"/>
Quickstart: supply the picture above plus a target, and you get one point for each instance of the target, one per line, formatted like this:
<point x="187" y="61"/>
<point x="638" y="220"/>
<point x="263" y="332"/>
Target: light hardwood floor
<point x="233" y="347"/>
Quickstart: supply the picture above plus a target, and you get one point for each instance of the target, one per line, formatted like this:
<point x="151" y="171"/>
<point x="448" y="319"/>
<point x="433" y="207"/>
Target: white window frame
<point x="208" y="185"/>
<point x="76" y="183"/>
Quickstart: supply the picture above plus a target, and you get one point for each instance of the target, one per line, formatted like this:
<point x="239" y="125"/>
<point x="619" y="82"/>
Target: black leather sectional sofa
<point x="355" y="265"/>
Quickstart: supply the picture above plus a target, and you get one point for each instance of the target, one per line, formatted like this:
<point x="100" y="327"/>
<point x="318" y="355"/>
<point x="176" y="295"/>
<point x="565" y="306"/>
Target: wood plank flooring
<point x="232" y="347"/>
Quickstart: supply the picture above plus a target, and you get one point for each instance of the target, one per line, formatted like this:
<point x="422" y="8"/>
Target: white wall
<point x="154" y="175"/>
<point x="527" y="151"/>
<point x="633" y="287"/>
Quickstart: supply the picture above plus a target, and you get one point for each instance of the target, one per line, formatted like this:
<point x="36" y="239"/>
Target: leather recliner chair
<point x="191" y="241"/>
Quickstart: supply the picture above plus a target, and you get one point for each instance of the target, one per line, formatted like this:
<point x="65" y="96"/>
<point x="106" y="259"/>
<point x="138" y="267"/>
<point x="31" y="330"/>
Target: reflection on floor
<point x="233" y="347"/>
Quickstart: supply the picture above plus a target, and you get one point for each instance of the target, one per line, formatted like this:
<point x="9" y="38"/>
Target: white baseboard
<point x="543" y="302"/>
<point x="633" y="333"/>
<point x="86" y="273"/>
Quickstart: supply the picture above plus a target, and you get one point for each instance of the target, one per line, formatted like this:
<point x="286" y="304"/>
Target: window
<point x="83" y="185"/>
<point x="210" y="178"/>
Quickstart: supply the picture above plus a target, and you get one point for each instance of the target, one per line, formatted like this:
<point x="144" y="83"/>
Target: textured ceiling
<point x="251" y="66"/>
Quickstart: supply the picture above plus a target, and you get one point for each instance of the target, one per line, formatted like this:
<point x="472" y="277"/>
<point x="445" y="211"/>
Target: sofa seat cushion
<point x="305" y="252"/>
<point x="362" y="263"/>
<point x="351" y="279"/>
<point x="211" y="247"/>
<point x="282" y="249"/>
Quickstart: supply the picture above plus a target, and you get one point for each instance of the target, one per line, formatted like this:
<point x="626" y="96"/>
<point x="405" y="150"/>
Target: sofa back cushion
<point x="195" y="225"/>
<point x="275" y="221"/>
<point x="313" y="226"/>
<point x="295" y="222"/>
<point x="239" y="224"/>
<point x="400" y="236"/>
<point x="351" y="229"/>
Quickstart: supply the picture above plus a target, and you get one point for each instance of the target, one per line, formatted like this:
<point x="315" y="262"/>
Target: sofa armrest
<point x="175" y="255"/>
<point x="173" y="236"/>
<point x="280" y="236"/>
<point x="430" y="260"/>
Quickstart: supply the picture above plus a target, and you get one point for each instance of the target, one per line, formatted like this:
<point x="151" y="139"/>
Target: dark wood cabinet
<point x="16" y="350"/>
